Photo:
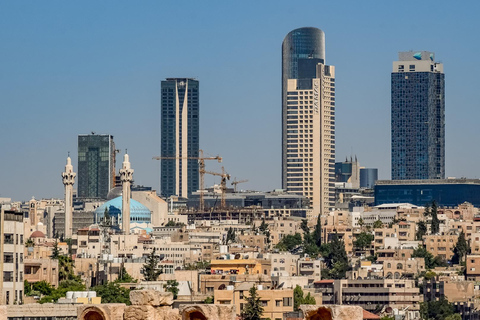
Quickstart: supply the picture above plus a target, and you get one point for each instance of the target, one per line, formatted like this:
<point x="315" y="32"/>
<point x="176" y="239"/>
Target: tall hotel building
<point x="308" y="118"/>
<point x="180" y="137"/>
<point x="96" y="165"/>
<point x="418" y="117"/>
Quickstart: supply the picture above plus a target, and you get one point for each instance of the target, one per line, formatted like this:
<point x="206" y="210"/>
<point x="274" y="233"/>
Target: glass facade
<point x="179" y="135"/>
<point x="368" y="176"/>
<point x="445" y="195"/>
<point x="96" y="166"/>
<point x="418" y="124"/>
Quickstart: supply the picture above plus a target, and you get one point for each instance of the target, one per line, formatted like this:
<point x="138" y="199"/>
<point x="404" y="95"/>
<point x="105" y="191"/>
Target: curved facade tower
<point x="308" y="118"/>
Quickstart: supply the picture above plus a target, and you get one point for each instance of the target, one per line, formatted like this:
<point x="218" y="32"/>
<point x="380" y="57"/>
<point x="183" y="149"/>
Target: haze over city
<point x="74" y="68"/>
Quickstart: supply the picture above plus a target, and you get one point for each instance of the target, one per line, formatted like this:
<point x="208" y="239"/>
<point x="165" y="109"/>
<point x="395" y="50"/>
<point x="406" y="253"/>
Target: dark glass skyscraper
<point x="418" y="117"/>
<point x="96" y="165"/>
<point x="179" y="137"/>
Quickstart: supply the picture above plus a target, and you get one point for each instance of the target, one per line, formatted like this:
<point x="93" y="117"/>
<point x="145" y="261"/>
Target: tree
<point x="461" y="249"/>
<point x="304" y="226"/>
<point x="253" y="309"/>
<point x="377" y="224"/>
<point x="435" y="224"/>
<point x="55" y="251"/>
<point x="363" y="240"/>
<point x="431" y="261"/>
<point x="172" y="286"/>
<point x="112" y="292"/>
<point x="124" y="277"/>
<point x="299" y="299"/>
<point x="289" y="242"/>
<point x="230" y="236"/>
<point x="361" y="222"/>
<point x="66" y="269"/>
<point x="336" y="259"/>
<point x="151" y="270"/>
<point x="421" y="230"/>
<point x="209" y="300"/>
<point x="317" y="234"/>
<point x="436" y="310"/>
<point x="63" y="287"/>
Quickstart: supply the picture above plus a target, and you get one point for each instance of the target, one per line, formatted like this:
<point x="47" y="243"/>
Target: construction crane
<point x="223" y="184"/>
<point x="235" y="182"/>
<point x="201" y="170"/>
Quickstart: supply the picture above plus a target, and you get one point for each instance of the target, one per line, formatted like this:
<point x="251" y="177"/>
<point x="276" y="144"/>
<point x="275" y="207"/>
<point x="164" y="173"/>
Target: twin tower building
<point x="308" y="122"/>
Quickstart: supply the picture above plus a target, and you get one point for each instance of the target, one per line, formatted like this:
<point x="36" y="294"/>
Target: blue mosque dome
<point x="138" y="212"/>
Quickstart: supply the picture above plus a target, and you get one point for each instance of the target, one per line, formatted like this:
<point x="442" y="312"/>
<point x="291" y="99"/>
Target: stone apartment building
<point x="441" y="245"/>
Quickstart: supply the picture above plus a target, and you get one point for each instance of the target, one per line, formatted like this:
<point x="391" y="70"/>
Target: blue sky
<point x="72" y="67"/>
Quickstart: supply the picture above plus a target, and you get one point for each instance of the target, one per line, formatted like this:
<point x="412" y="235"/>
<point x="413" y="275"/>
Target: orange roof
<point x="324" y="281"/>
<point x="37" y="234"/>
<point x="369" y="315"/>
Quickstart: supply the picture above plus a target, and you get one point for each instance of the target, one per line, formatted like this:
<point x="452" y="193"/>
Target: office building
<point x="445" y="192"/>
<point x="179" y="137"/>
<point x="308" y="119"/>
<point x="348" y="172"/>
<point x="96" y="165"/>
<point x="368" y="176"/>
<point x="11" y="256"/>
<point x="418" y="117"/>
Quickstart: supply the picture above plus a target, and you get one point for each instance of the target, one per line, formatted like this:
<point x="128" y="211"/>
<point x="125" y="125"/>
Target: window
<point x="278" y="303"/>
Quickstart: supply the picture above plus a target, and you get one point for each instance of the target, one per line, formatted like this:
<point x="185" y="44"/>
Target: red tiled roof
<point x="369" y="315"/>
<point x="324" y="281"/>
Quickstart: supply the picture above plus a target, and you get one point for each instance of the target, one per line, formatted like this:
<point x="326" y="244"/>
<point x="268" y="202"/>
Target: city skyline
<point x="62" y="68"/>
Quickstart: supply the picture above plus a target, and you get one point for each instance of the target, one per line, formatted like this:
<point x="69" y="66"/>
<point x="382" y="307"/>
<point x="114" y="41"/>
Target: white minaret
<point x="68" y="181"/>
<point x="126" y="176"/>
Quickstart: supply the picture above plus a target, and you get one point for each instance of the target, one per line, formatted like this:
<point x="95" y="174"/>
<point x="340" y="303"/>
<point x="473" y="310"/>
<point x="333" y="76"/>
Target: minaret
<point x="126" y="176"/>
<point x="68" y="181"/>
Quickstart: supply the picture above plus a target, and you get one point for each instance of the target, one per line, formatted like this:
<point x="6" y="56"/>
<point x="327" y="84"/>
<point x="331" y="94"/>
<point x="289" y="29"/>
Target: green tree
<point x="377" y="224"/>
<point x="317" y="234"/>
<point x="299" y="298"/>
<point x="461" y="249"/>
<point x="172" y="286"/>
<point x="436" y="310"/>
<point x="387" y="318"/>
<point x="363" y="240"/>
<point x="253" y="309"/>
<point x="55" y="251"/>
<point x="455" y="316"/>
<point x="289" y="242"/>
<point x="151" y="269"/>
<point x="209" y="300"/>
<point x="431" y="261"/>
<point x="66" y="269"/>
<point x="435" y="224"/>
<point x="112" y="292"/>
<point x="63" y="287"/>
<point x="43" y="287"/>
<point x="304" y="226"/>
<point x="29" y="243"/>
<point x="230" y="236"/>
<point x="124" y="277"/>
<point x="361" y="223"/>
<point x="336" y="258"/>
<point x="263" y="227"/>
<point x="421" y="230"/>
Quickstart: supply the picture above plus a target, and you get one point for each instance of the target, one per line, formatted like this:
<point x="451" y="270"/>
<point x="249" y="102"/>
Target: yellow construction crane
<point x="235" y="182"/>
<point x="201" y="170"/>
<point x="223" y="185"/>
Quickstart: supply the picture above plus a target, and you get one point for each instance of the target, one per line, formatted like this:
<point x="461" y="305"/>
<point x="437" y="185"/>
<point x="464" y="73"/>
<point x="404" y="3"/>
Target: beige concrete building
<point x="472" y="270"/>
<point x="11" y="257"/>
<point x="403" y="268"/>
<point x="44" y="269"/>
<point x="274" y="302"/>
<point x="441" y="245"/>
<point x="284" y="264"/>
<point x="310" y="138"/>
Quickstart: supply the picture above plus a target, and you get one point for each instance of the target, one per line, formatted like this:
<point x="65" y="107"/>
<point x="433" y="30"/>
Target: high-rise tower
<point x="308" y="118"/>
<point x="96" y="165"/>
<point x="68" y="178"/>
<point x="180" y="136"/>
<point x="418" y="117"/>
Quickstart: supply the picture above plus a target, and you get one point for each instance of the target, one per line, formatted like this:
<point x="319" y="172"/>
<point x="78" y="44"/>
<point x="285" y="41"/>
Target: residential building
<point x="274" y="302"/>
<point x="371" y="293"/>
<point x="418" y="117"/>
<point x="441" y="245"/>
<point x="11" y="256"/>
<point x="308" y="119"/>
<point x="96" y="165"/>
<point x="179" y="136"/>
